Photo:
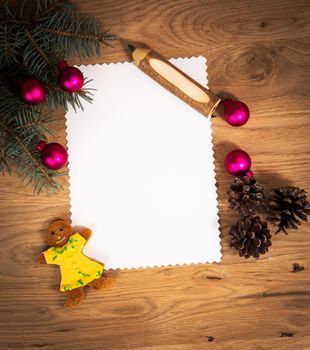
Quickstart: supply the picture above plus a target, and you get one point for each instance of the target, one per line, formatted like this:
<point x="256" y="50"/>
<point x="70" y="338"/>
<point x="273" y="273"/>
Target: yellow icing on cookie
<point x="76" y="269"/>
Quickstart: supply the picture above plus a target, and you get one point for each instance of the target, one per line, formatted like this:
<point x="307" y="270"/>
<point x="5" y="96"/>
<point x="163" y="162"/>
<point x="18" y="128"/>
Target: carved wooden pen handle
<point x="174" y="80"/>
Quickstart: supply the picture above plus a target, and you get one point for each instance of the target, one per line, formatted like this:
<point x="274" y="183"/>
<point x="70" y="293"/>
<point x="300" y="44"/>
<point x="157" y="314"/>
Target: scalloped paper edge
<point x="186" y="264"/>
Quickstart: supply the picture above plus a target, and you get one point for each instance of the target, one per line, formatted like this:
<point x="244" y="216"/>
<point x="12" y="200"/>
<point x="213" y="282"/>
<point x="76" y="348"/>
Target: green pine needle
<point x="34" y="38"/>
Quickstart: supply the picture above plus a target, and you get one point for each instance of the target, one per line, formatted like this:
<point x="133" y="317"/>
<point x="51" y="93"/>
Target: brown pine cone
<point x="288" y="205"/>
<point x="250" y="236"/>
<point x="245" y="195"/>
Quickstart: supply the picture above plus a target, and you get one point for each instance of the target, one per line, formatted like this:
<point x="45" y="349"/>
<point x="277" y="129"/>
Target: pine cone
<point x="250" y="236"/>
<point x="245" y="195"/>
<point x="288" y="205"/>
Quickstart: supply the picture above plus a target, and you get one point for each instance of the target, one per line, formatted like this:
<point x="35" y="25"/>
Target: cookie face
<point x="58" y="233"/>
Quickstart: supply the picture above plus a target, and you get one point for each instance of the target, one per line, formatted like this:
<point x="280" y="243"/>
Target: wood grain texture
<point x="259" y="52"/>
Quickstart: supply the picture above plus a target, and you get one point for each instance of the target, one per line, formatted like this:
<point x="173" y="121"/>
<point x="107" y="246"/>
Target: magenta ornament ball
<point x="237" y="162"/>
<point x="53" y="155"/>
<point x="32" y="91"/>
<point x="236" y="113"/>
<point x="70" y="79"/>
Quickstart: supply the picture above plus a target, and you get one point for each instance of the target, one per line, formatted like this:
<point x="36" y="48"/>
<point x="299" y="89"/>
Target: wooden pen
<point x="174" y="80"/>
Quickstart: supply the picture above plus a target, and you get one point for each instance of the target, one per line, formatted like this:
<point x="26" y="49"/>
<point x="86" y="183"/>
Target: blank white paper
<point x="141" y="171"/>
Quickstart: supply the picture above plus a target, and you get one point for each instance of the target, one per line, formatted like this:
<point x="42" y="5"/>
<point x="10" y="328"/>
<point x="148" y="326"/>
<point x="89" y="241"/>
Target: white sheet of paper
<point x="141" y="171"/>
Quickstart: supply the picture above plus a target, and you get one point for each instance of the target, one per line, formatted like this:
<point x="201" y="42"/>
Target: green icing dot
<point x="83" y="274"/>
<point x="80" y="282"/>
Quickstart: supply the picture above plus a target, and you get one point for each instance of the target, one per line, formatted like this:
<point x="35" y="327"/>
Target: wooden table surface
<point x="258" y="52"/>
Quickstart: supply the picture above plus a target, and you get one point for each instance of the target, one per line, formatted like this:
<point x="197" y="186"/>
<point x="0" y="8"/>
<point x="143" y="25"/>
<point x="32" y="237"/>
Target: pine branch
<point x="10" y="45"/>
<point x="35" y="163"/>
<point x="29" y="125"/>
<point x="37" y="47"/>
<point x="56" y="97"/>
<point x="34" y="37"/>
<point x="13" y="110"/>
<point x="39" y="57"/>
<point x="79" y="36"/>
<point x="102" y="37"/>
<point x="7" y="48"/>
<point x="50" y="9"/>
<point x="47" y="7"/>
<point x="36" y="127"/>
<point x="4" y="166"/>
<point x="4" y="20"/>
<point x="24" y="147"/>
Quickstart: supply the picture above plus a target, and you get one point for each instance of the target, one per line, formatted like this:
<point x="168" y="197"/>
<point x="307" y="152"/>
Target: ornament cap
<point x="227" y="102"/>
<point x="62" y="65"/>
<point x="41" y="145"/>
<point x="249" y="173"/>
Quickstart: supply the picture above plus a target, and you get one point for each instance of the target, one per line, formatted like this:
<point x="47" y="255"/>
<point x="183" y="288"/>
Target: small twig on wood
<point x="207" y="337"/>
<point x="297" y="268"/>
<point x="287" y="334"/>
<point x="214" y="278"/>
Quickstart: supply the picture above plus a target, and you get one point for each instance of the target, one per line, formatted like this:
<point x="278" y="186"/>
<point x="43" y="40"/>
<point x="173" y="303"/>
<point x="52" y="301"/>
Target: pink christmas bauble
<point x="70" y="79"/>
<point x="53" y="155"/>
<point x="237" y="162"/>
<point x="32" y="91"/>
<point x="236" y="113"/>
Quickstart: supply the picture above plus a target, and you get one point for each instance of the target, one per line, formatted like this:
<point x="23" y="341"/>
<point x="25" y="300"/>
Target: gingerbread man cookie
<point x="77" y="270"/>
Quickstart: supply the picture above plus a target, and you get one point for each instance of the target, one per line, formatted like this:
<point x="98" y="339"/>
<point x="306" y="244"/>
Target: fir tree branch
<point x="34" y="36"/>
<point x="50" y="9"/>
<point x="13" y="20"/>
<point x="29" y="125"/>
<point x="100" y="37"/>
<point x="4" y="166"/>
<point x="35" y="163"/>
<point x="6" y="43"/>
<point x="38" y="166"/>
<point x="37" y="47"/>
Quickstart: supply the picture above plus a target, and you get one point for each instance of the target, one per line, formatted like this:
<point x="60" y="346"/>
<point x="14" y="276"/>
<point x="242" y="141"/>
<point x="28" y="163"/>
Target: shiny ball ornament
<point x="32" y="91"/>
<point x="236" y="113"/>
<point x="53" y="155"/>
<point x="70" y="79"/>
<point x="237" y="162"/>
